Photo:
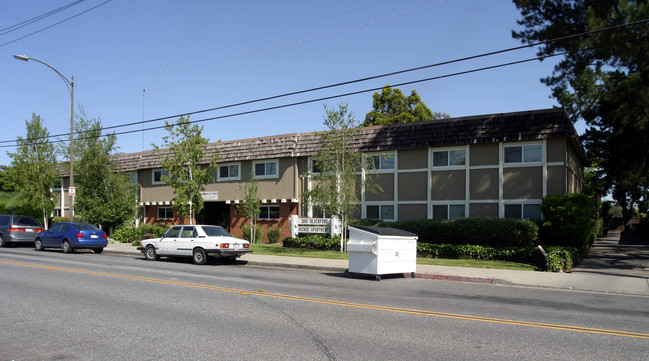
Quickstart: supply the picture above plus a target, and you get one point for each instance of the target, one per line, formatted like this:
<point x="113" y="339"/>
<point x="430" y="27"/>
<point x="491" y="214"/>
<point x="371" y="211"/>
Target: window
<point x="56" y="212"/>
<point x="448" y="211"/>
<point x="165" y="213"/>
<point x="189" y="232"/>
<point x="173" y="232"/>
<point x="269" y="212"/>
<point x="157" y="176"/>
<point x="265" y="169"/>
<point x="381" y="161"/>
<point x="133" y="177"/>
<point x="448" y="158"/>
<point x="524" y="211"/>
<point x="56" y="227"/>
<point x="523" y="154"/>
<point x="315" y="166"/>
<point x="229" y="172"/>
<point x="382" y="212"/>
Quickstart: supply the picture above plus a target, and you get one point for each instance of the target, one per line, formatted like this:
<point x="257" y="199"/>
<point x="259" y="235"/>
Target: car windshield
<point x="85" y="227"/>
<point x="216" y="231"/>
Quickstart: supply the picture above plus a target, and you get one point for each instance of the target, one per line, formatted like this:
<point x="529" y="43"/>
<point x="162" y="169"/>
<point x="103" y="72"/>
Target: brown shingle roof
<point x="519" y="126"/>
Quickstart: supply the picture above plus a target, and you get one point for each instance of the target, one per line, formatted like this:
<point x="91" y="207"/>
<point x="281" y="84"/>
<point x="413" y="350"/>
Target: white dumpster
<point x="380" y="250"/>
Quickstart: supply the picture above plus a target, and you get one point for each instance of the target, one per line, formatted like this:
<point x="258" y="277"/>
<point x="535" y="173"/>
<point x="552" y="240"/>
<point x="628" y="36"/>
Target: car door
<point x="167" y="244"/>
<point x="47" y="236"/>
<point x="185" y="243"/>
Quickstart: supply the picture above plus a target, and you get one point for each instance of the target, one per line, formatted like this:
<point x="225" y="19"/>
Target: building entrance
<point x="215" y="213"/>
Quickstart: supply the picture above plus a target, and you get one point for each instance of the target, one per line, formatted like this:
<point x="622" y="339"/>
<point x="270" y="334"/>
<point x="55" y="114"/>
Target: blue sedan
<point x="70" y="236"/>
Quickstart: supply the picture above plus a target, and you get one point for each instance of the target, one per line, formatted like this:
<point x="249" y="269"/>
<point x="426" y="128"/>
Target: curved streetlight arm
<point x="68" y="83"/>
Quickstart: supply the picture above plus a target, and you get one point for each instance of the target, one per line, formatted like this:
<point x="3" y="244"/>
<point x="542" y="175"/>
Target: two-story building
<point x="496" y="165"/>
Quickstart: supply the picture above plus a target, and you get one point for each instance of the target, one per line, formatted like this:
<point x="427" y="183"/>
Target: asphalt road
<point x="84" y="306"/>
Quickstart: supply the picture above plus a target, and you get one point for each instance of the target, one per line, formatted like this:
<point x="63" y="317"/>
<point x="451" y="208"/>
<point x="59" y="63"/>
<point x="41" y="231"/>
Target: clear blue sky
<point x="193" y="55"/>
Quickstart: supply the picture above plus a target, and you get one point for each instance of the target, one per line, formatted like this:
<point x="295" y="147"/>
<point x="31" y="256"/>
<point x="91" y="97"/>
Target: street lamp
<point x="70" y="85"/>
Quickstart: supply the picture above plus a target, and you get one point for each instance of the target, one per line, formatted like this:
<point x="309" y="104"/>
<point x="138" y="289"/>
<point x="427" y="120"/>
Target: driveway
<point x="617" y="254"/>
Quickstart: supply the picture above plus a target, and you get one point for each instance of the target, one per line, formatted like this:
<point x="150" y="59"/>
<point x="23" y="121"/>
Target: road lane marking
<point x="265" y="293"/>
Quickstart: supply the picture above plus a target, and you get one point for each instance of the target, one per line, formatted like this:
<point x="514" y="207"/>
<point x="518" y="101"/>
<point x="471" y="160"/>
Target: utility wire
<point x="347" y="83"/>
<point x="55" y="24"/>
<point x="37" y="18"/>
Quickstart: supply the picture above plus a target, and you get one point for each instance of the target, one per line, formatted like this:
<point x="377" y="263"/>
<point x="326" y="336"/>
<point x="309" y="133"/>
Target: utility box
<point x="380" y="250"/>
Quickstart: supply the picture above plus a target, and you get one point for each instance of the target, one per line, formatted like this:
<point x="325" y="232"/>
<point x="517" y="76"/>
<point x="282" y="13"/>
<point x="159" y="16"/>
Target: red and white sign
<point x="72" y="191"/>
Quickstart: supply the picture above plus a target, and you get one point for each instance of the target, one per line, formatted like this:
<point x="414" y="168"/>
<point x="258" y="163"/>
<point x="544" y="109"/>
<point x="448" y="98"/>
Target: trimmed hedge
<point x="488" y="232"/>
<point x="313" y="241"/>
<point x="134" y="235"/>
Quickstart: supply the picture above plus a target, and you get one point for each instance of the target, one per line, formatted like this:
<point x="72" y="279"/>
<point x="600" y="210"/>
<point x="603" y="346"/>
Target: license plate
<point x="93" y="236"/>
<point x="29" y="230"/>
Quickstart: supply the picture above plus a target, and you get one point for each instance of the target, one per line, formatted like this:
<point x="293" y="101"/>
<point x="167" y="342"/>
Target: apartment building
<point x="496" y="165"/>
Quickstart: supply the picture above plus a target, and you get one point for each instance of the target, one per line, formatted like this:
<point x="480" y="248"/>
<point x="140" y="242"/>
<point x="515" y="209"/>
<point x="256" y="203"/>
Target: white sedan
<point x="196" y="241"/>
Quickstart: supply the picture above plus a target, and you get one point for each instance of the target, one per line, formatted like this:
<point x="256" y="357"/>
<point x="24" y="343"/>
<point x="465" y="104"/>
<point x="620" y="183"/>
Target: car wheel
<point x="150" y="254"/>
<point x="200" y="257"/>
<point x="2" y="242"/>
<point x="98" y="250"/>
<point x="67" y="248"/>
<point x="38" y="244"/>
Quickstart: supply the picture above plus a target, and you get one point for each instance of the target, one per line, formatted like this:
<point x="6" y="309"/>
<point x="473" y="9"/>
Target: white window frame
<point x="158" y="213"/>
<point x="268" y="207"/>
<point x="381" y="205"/>
<point x="371" y="156"/>
<point x="311" y="168"/>
<point x="448" y="152"/>
<point x="153" y="181"/>
<point x="448" y="209"/>
<point x="223" y="179"/>
<point x="265" y="176"/>
<point x="523" y="146"/>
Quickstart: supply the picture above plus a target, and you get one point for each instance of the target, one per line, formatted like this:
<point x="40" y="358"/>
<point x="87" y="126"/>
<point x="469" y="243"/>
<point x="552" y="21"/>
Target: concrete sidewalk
<point x="632" y="284"/>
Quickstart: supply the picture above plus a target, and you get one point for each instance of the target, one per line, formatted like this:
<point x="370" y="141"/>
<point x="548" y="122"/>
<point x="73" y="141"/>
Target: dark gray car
<point x="18" y="229"/>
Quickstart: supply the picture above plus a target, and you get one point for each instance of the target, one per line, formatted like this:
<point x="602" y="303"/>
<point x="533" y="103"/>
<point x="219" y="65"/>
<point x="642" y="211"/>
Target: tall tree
<point x="33" y="169"/>
<point x="337" y="183"/>
<point x="603" y="78"/>
<point x="184" y="160"/>
<point x="250" y="207"/>
<point x="105" y="196"/>
<point x="391" y="106"/>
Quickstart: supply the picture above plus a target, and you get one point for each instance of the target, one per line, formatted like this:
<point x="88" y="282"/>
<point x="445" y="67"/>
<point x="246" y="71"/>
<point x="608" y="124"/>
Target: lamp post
<point x="70" y="85"/>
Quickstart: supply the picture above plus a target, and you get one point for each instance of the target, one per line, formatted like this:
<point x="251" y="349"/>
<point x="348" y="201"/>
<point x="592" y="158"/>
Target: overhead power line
<point x="55" y="24"/>
<point x="645" y="21"/>
<point x="22" y="24"/>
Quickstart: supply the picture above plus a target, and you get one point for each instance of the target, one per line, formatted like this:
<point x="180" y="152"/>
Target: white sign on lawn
<point x="330" y="226"/>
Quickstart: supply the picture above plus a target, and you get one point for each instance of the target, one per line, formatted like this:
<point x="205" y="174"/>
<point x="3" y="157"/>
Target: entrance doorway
<point x="215" y="213"/>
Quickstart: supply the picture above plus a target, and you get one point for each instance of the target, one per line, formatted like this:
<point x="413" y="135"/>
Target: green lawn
<point x="277" y="250"/>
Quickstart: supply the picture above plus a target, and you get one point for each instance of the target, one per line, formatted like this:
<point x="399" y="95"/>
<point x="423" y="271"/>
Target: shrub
<point x="274" y="234"/>
<point x="134" y="235"/>
<point x="313" y="241"/>
<point x="490" y="232"/>
<point x="561" y="258"/>
<point x="529" y="255"/>
<point x="56" y="220"/>
<point x="247" y="234"/>
<point x="569" y="220"/>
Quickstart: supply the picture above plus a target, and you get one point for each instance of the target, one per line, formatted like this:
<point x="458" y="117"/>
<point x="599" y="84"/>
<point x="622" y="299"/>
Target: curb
<point x="429" y="276"/>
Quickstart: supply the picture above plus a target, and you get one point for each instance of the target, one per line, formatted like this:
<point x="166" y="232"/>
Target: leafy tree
<point x="335" y="189"/>
<point x="33" y="170"/>
<point x="6" y="183"/>
<point x="183" y="161"/>
<point x="250" y="207"/>
<point x="603" y="78"/>
<point x="104" y="196"/>
<point x="391" y="106"/>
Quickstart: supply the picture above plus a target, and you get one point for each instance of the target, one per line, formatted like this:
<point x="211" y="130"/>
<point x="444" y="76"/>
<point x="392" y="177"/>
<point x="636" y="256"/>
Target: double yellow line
<point x="265" y="293"/>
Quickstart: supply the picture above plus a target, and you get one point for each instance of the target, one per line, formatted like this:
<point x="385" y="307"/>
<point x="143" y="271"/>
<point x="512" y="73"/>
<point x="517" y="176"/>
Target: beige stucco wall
<point x="523" y="183"/>
<point x="448" y="185"/>
<point x="557" y="180"/>
<point x="413" y="158"/>
<point x="484" y="183"/>
<point x="412" y="211"/>
<point x="484" y="154"/>
<point x="483" y="210"/>
<point x="412" y="186"/>
<point x="386" y="182"/>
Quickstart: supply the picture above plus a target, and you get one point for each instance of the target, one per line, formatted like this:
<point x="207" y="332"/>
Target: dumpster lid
<point x="385" y="231"/>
